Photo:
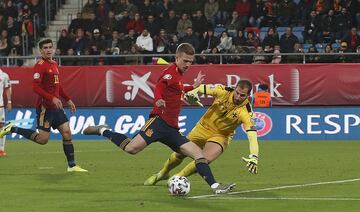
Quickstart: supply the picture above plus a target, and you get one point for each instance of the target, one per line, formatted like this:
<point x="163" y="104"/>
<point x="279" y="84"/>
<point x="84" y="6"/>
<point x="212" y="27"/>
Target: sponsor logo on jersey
<point x="149" y="132"/>
<point x="167" y="77"/>
<point x="36" y="76"/>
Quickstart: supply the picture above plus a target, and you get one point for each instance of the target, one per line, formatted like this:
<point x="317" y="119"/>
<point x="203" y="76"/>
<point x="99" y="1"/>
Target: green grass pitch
<point x="33" y="178"/>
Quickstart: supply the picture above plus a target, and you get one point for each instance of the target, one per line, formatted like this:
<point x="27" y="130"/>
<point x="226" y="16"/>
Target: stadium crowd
<point x="133" y="27"/>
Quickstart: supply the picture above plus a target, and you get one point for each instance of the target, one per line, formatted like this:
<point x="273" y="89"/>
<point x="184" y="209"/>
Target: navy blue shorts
<point x="47" y="118"/>
<point x="156" y="129"/>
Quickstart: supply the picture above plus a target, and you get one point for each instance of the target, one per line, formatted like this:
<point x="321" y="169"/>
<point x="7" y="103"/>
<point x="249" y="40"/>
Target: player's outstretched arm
<point x="252" y="160"/>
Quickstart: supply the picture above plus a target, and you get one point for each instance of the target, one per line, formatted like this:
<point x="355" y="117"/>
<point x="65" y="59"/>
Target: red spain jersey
<point x="171" y="89"/>
<point x="46" y="83"/>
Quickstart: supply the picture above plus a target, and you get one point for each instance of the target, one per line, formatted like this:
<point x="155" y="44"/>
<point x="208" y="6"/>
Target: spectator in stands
<point x="327" y="28"/>
<point x="28" y="29"/>
<point x="271" y="38"/>
<point x="4" y="49"/>
<point x="183" y="24"/>
<point x="288" y="40"/>
<point x="259" y="59"/>
<point x="10" y="10"/>
<point x="133" y="59"/>
<point x="312" y="25"/>
<point x="131" y="8"/>
<point x="233" y="24"/>
<point x="213" y="59"/>
<point x="163" y="7"/>
<point x="243" y="8"/>
<point x="80" y="42"/>
<point x="199" y="23"/>
<point x="109" y="25"/>
<point x="343" y="23"/>
<point x="102" y="10"/>
<point x="147" y="9"/>
<point x="276" y="59"/>
<point x="225" y="43"/>
<point x="252" y="39"/>
<point x="271" y="10"/>
<point x="356" y="58"/>
<point x="225" y="9"/>
<point x="208" y="41"/>
<point x="2" y="22"/>
<point x="195" y="5"/>
<point x="97" y="42"/>
<point x="123" y="20"/>
<point x="137" y="24"/>
<point x="344" y="49"/>
<point x="174" y="43"/>
<point x="153" y="25"/>
<point x="287" y="12"/>
<point x="64" y="43"/>
<point x="170" y="22"/>
<point x="144" y="44"/>
<point x="76" y="23"/>
<point x="336" y="6"/>
<point x="180" y="7"/>
<point x="236" y="58"/>
<point x="189" y="37"/>
<point x="240" y="39"/>
<point x="89" y="8"/>
<point x="91" y="24"/>
<point x="210" y="10"/>
<point x="328" y="58"/>
<point x="13" y="27"/>
<point x="321" y="6"/>
<point x="119" y="8"/>
<point x="312" y="58"/>
<point x="162" y="43"/>
<point x="112" y="47"/>
<point x="305" y="8"/>
<point x="268" y="50"/>
<point x="37" y="10"/>
<point x="129" y="41"/>
<point x="297" y="48"/>
<point x="257" y="13"/>
<point x="352" y="39"/>
<point x="16" y="50"/>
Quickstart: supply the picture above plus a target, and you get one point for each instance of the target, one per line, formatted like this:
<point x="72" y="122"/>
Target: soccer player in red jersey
<point x="163" y="123"/>
<point x="49" y="107"/>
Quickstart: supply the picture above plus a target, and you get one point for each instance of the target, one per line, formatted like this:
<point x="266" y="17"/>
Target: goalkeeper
<point x="214" y="131"/>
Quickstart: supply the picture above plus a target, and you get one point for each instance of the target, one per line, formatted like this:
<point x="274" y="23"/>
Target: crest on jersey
<point x="167" y="77"/>
<point x="149" y="132"/>
<point x="262" y="123"/>
<point x="36" y="76"/>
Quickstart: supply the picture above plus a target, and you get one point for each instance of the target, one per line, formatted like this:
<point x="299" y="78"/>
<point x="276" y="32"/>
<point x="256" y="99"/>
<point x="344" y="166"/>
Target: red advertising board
<point x="292" y="84"/>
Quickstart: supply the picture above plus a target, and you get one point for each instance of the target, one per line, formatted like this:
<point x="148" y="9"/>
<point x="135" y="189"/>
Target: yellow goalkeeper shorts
<point x="200" y="136"/>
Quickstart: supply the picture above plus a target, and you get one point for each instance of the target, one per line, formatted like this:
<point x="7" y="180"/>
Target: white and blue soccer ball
<point x="179" y="186"/>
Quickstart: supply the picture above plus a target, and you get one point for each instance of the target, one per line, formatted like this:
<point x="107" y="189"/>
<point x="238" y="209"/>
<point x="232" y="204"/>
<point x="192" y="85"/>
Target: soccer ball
<point x="179" y="186"/>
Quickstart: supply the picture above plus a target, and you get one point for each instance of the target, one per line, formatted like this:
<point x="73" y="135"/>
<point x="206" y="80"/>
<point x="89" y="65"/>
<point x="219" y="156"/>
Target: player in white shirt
<point x="5" y="87"/>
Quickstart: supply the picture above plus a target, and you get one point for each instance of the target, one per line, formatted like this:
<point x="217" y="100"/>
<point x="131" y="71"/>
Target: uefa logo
<point x="262" y="122"/>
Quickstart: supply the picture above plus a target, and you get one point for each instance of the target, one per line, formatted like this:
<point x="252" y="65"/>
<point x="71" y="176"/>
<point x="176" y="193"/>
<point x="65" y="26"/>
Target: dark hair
<point x="186" y="48"/>
<point x="45" y="41"/>
<point x="245" y="83"/>
<point x="263" y="87"/>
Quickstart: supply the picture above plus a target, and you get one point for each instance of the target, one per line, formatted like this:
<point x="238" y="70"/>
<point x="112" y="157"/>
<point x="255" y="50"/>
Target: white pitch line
<point x="289" y="198"/>
<point x="280" y="187"/>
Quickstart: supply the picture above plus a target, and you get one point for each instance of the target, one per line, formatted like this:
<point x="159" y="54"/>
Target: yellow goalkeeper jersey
<point x="223" y="116"/>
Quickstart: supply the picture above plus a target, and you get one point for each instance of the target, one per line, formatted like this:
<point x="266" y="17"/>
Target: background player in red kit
<point x="49" y="108"/>
<point x="163" y="123"/>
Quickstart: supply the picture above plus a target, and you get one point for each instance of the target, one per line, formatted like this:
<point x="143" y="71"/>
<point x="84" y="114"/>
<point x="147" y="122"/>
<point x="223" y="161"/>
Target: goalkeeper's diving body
<point x="215" y="130"/>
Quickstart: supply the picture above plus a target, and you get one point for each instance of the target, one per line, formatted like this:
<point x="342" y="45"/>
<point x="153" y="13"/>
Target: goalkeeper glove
<point x="251" y="163"/>
<point x="193" y="98"/>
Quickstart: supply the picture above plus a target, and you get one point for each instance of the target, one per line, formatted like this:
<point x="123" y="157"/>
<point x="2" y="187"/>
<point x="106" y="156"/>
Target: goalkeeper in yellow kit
<point x="215" y="130"/>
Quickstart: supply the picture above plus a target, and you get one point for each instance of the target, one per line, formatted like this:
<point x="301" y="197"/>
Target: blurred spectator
<point x="195" y="5"/>
<point x="243" y="8"/>
<point x="128" y="41"/>
<point x="344" y="49"/>
<point x="287" y="12"/>
<point x="208" y="41"/>
<point x="2" y="22"/>
<point x="240" y="39"/>
<point x="271" y="12"/>
<point x="123" y="20"/>
<point x="352" y="39"/>
<point x="199" y="23"/>
<point x="343" y="23"/>
<point x="91" y="24"/>
<point x="109" y="25"/>
<point x="97" y="42"/>
<point x="131" y="8"/>
<point x="147" y="9"/>
<point x="65" y="42"/>
<point x="356" y="57"/>
<point x="213" y="59"/>
<point x="225" y="43"/>
<point x="112" y="47"/>
<point x="37" y="10"/>
<point x="321" y="6"/>
<point x="328" y="58"/>
<point x="180" y="7"/>
<point x="225" y="9"/>
<point x="174" y="43"/>
<point x="237" y="59"/>
<point x="119" y="8"/>
<point x="137" y="24"/>
<point x="153" y="26"/>
<point x="312" y="58"/>
<point x="76" y="23"/>
<point x="162" y="43"/>
<point x="312" y="25"/>
<point x="233" y="24"/>
<point x="271" y="38"/>
<point x="13" y="27"/>
<point x="134" y="59"/>
<point x="211" y="8"/>
<point x="327" y="28"/>
<point x="257" y="13"/>
<point x="170" y="23"/>
<point x="296" y="58"/>
<point x="288" y="40"/>
<point x="305" y="8"/>
<point x="10" y="10"/>
<point x="144" y="44"/>
<point x="80" y="43"/>
<point x="276" y="59"/>
<point x="189" y="37"/>
<point x="4" y="49"/>
<point x="69" y="61"/>
<point x="259" y="59"/>
<point x="89" y="8"/>
<point x="16" y="50"/>
<point x="163" y="7"/>
<point x="102" y="10"/>
<point x="252" y="39"/>
<point x="183" y="24"/>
